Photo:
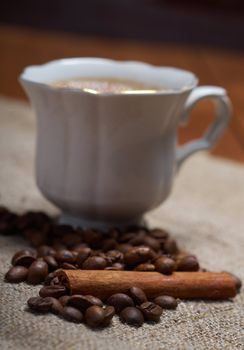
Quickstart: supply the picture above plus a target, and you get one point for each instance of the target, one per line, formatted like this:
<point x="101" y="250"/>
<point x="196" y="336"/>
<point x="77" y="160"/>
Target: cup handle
<point x="223" y="109"/>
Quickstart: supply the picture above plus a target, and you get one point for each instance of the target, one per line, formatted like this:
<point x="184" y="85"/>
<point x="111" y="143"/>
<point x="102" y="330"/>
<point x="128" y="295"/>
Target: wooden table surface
<point x="21" y="47"/>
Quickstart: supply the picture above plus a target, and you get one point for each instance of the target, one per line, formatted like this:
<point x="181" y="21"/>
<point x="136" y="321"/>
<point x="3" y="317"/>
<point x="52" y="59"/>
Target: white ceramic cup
<point x="112" y="157"/>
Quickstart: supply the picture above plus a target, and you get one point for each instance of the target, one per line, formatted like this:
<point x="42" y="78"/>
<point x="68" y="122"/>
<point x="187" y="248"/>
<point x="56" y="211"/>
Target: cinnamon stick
<point x="185" y="285"/>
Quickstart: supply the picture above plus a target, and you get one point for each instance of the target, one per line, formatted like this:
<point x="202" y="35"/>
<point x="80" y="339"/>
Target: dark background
<point x="203" y="36"/>
<point x="218" y="23"/>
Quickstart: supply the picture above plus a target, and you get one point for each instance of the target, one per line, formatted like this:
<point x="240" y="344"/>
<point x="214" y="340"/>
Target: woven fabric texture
<point x="205" y="213"/>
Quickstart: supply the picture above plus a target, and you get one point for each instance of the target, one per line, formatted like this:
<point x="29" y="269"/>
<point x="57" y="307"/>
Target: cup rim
<point x="25" y="76"/>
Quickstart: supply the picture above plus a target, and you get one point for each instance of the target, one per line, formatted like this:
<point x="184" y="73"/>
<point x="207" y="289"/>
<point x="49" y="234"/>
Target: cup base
<point x="78" y="221"/>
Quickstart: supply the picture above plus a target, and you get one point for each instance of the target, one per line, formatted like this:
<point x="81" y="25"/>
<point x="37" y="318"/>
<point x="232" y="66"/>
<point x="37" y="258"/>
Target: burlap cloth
<point x="205" y="213"/>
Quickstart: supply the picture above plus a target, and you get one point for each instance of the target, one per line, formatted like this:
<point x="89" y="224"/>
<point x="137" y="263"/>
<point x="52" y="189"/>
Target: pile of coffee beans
<point x="133" y="308"/>
<point x="54" y="246"/>
<point x="57" y="246"/>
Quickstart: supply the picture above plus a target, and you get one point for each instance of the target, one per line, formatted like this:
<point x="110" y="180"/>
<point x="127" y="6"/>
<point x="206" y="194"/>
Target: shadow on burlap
<point x="205" y="213"/>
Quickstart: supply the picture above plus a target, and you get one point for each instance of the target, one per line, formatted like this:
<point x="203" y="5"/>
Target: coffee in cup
<point x="105" y="85"/>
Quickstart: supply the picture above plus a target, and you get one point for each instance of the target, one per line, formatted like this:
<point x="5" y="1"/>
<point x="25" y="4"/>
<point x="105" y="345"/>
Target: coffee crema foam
<point x="106" y="85"/>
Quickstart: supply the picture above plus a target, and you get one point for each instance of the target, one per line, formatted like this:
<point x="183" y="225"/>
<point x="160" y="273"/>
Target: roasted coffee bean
<point x="57" y="245"/>
<point x="93" y="238"/>
<point x="46" y="250"/>
<point x="132" y="316"/>
<point x="50" y="277"/>
<point x="166" y="302"/>
<point x="37" y="272"/>
<point x="83" y="254"/>
<point x="142" y="238"/>
<point x="119" y="266"/>
<point x="70" y="313"/>
<point x="93" y="300"/>
<point x="120" y="301"/>
<point x="16" y="274"/>
<point x="188" y="263"/>
<point x="165" y="265"/>
<point x="94" y="316"/>
<point x="156" y="255"/>
<point x="75" y="254"/>
<point x="137" y="228"/>
<point x="39" y="304"/>
<point x="55" y="281"/>
<point x="152" y="243"/>
<point x="71" y="239"/>
<point x="36" y="237"/>
<point x="159" y="233"/>
<point x="8" y="222"/>
<point x="138" y="255"/>
<point x="109" y="313"/>
<point x="138" y="239"/>
<point x="64" y="255"/>
<point x="56" y="307"/>
<point x="138" y="295"/>
<point x="116" y="267"/>
<point x="32" y="220"/>
<point x="170" y="246"/>
<point x="145" y="267"/>
<point x="109" y="244"/>
<point x="124" y="248"/>
<point x="55" y="291"/>
<point x="59" y="230"/>
<point x="23" y="222"/>
<point x="180" y="255"/>
<point x="17" y="254"/>
<point x="27" y="251"/>
<point x="114" y="256"/>
<point x="82" y="302"/>
<point x="67" y="266"/>
<point x="4" y="212"/>
<point x="79" y="247"/>
<point x="94" y="263"/>
<point x="126" y="237"/>
<point x="100" y="254"/>
<point x="51" y="261"/>
<point x="114" y="233"/>
<point x="23" y="258"/>
<point x="151" y="311"/>
<point x="7" y="228"/>
<point x="64" y="300"/>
